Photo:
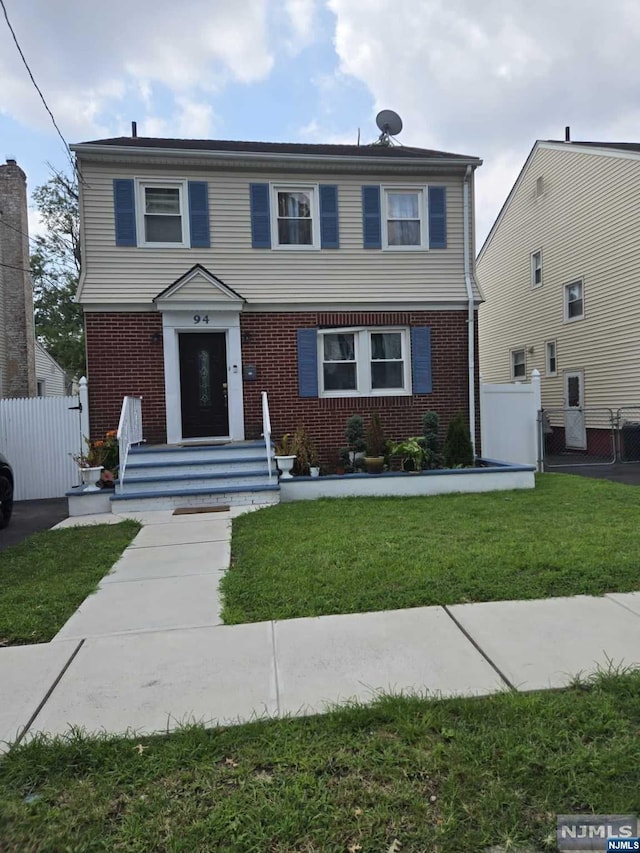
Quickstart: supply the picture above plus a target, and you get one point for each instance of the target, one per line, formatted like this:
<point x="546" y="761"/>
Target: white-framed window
<point x="518" y="364"/>
<point x="404" y="218"/>
<point x="295" y="216"/>
<point x="551" y="358"/>
<point x="162" y="214"/>
<point x="41" y="387"/>
<point x="364" y="362"/>
<point x="574" y="301"/>
<point x="536" y="268"/>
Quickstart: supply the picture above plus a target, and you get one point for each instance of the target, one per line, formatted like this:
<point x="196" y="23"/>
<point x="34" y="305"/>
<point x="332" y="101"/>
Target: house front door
<point x="575" y="434"/>
<point x="203" y="384"/>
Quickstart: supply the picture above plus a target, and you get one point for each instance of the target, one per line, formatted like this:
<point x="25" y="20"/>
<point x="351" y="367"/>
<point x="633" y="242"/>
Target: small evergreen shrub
<point x="433" y="457"/>
<point x="458" y="450"/>
<point x="354" y="433"/>
<point x="375" y="437"/>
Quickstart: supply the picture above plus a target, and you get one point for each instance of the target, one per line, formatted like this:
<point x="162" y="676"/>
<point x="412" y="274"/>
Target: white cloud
<point x="488" y="79"/>
<point x="302" y="20"/>
<point x="87" y="57"/>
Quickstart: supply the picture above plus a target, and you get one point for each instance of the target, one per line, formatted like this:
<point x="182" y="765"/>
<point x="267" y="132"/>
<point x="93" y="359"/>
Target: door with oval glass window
<point x="203" y="385"/>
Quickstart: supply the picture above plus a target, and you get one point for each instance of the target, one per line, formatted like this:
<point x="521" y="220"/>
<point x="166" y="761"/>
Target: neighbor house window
<point x="574" y="301"/>
<point x="295" y="217"/>
<point x="404" y="219"/>
<point x="162" y="208"/>
<point x="536" y="269"/>
<point x="518" y="364"/>
<point x="550" y="348"/>
<point x="364" y="362"/>
<point x="40" y="387"/>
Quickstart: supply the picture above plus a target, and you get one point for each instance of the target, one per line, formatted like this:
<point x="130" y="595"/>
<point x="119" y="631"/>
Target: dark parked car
<point x="6" y="491"/>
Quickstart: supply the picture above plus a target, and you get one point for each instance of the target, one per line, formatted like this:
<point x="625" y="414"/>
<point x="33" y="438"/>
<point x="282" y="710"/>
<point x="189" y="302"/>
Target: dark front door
<point x="203" y="385"/>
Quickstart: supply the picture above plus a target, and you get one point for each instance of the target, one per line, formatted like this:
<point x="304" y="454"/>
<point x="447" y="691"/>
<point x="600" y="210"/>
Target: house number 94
<point x="200" y="318"/>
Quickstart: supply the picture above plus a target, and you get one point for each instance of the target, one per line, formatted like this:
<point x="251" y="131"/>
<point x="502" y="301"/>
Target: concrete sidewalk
<point x="147" y="651"/>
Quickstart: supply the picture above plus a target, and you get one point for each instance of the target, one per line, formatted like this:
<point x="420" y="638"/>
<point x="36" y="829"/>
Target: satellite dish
<point x="389" y="122"/>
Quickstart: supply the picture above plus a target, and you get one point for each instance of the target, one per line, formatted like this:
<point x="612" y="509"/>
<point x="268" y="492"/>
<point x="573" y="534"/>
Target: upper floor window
<point x="518" y="364"/>
<point x="364" y="362"/>
<point x="574" y="301"/>
<point x="552" y="367"/>
<point x="162" y="218"/>
<point x="295" y="217"/>
<point x="536" y="269"/>
<point x="404" y="219"/>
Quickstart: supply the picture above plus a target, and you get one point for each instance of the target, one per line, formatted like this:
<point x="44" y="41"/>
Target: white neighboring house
<point x="561" y="279"/>
<point x="51" y="380"/>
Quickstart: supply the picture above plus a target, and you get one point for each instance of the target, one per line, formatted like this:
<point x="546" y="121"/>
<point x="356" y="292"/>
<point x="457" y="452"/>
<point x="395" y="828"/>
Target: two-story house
<point x="338" y="278"/>
<point x="560" y="275"/>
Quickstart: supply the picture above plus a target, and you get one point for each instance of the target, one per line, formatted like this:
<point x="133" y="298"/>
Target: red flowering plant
<point x="101" y="453"/>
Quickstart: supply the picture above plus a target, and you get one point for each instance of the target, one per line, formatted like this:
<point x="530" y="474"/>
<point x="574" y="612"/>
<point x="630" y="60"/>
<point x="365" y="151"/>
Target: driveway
<point x="30" y="516"/>
<point x="620" y="472"/>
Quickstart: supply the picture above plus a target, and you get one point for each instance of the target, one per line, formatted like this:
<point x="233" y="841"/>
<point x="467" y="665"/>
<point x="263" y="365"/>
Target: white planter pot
<point x="285" y="464"/>
<point x="315" y="472"/>
<point x="90" y="477"/>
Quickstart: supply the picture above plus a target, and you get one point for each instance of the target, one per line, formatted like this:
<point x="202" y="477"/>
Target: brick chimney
<point x="17" y="337"/>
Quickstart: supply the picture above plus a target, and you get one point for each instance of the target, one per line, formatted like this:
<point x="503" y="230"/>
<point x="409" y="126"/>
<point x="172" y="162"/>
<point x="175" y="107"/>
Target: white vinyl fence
<point x="509" y="421"/>
<point x="39" y="435"/>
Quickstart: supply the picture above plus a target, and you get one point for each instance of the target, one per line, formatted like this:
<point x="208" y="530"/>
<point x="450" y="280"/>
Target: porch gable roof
<point x="199" y="285"/>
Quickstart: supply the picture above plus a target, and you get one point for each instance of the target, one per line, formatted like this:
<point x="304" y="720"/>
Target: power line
<point x="37" y="88"/>
<point x="18" y="230"/>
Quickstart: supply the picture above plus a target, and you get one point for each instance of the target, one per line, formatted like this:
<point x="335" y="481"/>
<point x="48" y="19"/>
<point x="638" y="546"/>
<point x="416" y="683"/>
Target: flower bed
<point x="490" y="476"/>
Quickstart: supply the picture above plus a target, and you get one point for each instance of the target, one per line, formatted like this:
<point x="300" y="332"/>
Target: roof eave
<point x="251" y="156"/>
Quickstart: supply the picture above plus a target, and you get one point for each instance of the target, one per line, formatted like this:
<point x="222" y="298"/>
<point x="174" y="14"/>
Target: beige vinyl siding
<point x="349" y="274"/>
<point x="49" y="372"/>
<point x="587" y="225"/>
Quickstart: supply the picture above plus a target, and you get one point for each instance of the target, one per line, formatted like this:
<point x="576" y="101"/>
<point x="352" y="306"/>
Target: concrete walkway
<point x="148" y="652"/>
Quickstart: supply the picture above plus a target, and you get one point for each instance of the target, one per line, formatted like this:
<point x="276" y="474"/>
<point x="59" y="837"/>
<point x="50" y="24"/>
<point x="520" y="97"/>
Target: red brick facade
<point x="124" y="358"/>
<point x="270" y="344"/>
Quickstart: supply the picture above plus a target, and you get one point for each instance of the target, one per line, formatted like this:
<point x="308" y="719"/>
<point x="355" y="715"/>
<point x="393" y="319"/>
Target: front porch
<point x="186" y="476"/>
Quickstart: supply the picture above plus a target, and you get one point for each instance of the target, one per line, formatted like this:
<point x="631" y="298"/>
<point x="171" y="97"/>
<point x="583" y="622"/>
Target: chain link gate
<point x="572" y="436"/>
<point x="575" y="436"/>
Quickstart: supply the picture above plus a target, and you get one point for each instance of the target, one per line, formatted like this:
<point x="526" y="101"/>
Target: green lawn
<point x="46" y="577"/>
<point x="447" y="776"/>
<point x="570" y="535"/>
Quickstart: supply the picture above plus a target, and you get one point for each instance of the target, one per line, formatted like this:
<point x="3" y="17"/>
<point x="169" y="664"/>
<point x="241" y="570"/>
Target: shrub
<point x="458" y="450"/>
<point x="354" y="433"/>
<point x="375" y="436"/>
<point x="433" y="457"/>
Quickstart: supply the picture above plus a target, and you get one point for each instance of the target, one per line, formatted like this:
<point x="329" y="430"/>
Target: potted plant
<point x="375" y="444"/>
<point x="354" y="433"/>
<point x="285" y="456"/>
<point x="314" y="461"/>
<point x="344" y="461"/>
<point x="412" y="452"/>
<point x="90" y="469"/>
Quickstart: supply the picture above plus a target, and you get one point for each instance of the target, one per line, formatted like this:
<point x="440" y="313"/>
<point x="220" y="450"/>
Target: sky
<point x="485" y="79"/>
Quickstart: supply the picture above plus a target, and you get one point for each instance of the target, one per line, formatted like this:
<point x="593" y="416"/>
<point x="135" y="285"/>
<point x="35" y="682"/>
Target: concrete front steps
<point x="183" y="476"/>
<point x="186" y="476"/>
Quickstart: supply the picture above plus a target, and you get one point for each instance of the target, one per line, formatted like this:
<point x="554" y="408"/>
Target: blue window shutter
<point x="307" y="363"/>
<point x="124" y="207"/>
<point x="329" y="236"/>
<point x="199" y="214"/>
<point x="260" y="216"/>
<point x="371" y="225"/>
<point x="437" y="218"/>
<point x="421" y="359"/>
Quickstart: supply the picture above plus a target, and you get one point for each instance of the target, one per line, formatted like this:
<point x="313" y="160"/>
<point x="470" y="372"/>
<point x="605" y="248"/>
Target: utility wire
<point x="18" y="230"/>
<point x="37" y="88"/>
